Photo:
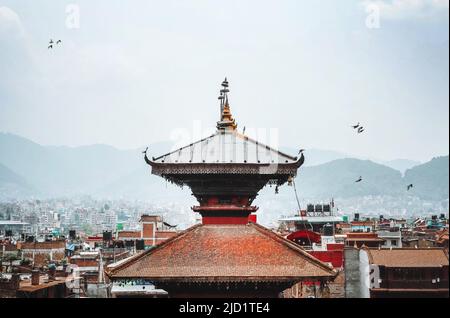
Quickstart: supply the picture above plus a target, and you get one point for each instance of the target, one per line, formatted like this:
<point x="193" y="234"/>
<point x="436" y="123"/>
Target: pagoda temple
<point x="227" y="255"/>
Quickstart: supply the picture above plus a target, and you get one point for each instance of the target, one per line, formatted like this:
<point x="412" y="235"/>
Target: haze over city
<point x="129" y="78"/>
<point x="233" y="150"/>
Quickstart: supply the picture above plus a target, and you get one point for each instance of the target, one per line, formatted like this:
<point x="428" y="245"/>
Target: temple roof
<point x="227" y="151"/>
<point x="205" y="253"/>
<point x="226" y="147"/>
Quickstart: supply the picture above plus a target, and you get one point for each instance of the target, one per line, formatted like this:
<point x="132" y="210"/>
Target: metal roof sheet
<point x="226" y="147"/>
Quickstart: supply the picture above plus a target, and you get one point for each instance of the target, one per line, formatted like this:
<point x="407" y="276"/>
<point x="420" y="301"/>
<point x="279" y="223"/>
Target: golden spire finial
<point x="226" y="119"/>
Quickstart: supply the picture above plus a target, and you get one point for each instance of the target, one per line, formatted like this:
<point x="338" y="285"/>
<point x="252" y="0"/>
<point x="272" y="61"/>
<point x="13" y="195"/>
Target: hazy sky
<point x="136" y="71"/>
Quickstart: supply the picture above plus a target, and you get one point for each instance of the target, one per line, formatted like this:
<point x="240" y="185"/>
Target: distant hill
<point x="69" y="170"/>
<point x="105" y="171"/>
<point x="430" y="180"/>
<point x="13" y="185"/>
<point x="337" y="179"/>
<point x="8" y="176"/>
<point x="401" y="164"/>
<point x="316" y="157"/>
<point x="141" y="184"/>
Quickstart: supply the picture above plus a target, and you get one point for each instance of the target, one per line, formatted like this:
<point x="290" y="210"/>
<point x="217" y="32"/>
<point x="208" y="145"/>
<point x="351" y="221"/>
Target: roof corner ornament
<point x="301" y="160"/>
<point x="146" y="158"/>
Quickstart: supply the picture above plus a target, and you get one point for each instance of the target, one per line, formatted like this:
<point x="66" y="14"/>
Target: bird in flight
<point x="169" y="225"/>
<point x="359" y="179"/>
<point x="51" y="43"/>
<point x="355" y="126"/>
<point x="409" y="187"/>
<point x="360" y="129"/>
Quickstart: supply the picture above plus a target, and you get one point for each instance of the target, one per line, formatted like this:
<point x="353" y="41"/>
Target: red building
<point x="225" y="255"/>
<point x="360" y="239"/>
<point x="41" y="253"/>
<point x="153" y="231"/>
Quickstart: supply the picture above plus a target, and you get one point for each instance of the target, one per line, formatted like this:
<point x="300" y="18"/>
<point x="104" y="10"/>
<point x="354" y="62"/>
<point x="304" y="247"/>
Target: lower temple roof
<point x="408" y="257"/>
<point x="224" y="253"/>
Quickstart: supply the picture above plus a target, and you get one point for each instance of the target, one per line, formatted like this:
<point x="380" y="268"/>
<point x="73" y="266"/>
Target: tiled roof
<point x="441" y="236"/>
<point x="225" y="253"/>
<point x="26" y="286"/>
<point x="44" y="245"/>
<point x="129" y="234"/>
<point x="362" y="223"/>
<point x="408" y="257"/>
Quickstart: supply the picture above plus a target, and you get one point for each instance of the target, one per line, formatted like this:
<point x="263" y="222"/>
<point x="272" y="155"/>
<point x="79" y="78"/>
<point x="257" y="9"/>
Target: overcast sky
<point x="136" y="71"/>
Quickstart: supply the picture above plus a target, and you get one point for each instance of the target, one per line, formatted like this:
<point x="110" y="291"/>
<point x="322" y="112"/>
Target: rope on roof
<point x="300" y="211"/>
<point x="245" y="149"/>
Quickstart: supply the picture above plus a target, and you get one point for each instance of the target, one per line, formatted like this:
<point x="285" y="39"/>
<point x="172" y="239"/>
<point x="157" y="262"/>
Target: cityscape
<point x="193" y="151"/>
<point x="94" y="248"/>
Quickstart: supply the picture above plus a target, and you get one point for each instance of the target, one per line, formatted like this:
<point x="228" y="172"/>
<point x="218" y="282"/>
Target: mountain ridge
<point x="107" y="171"/>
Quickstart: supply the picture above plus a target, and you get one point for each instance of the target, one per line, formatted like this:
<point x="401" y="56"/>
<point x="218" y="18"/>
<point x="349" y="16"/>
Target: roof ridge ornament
<point x="226" y="121"/>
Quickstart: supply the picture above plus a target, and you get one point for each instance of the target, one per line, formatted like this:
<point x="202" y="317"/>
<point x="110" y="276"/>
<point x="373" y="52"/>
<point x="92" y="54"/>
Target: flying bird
<point x="409" y="187"/>
<point x="169" y="225"/>
<point x="359" y="180"/>
<point x="360" y="129"/>
<point x="356" y="126"/>
<point x="51" y="41"/>
<point x="58" y="42"/>
<point x="50" y="46"/>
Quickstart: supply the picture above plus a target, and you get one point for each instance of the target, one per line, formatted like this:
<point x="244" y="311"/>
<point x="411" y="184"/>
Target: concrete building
<point x="14" y="228"/>
<point x="392" y="237"/>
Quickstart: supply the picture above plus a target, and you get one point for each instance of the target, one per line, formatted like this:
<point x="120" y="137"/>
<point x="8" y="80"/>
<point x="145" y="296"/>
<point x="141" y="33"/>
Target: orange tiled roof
<point x="362" y="223"/>
<point x="225" y="253"/>
<point x="441" y="236"/>
<point x="44" y="245"/>
<point x="129" y="234"/>
<point x="408" y="257"/>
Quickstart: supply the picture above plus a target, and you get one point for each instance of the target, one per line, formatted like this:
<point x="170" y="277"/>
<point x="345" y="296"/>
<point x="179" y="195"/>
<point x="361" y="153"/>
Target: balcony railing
<point x="415" y="284"/>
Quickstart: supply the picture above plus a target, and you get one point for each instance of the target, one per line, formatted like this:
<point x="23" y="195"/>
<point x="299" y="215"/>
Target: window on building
<point x="394" y="242"/>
